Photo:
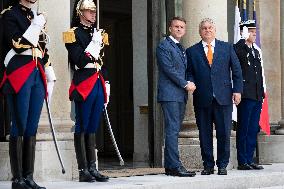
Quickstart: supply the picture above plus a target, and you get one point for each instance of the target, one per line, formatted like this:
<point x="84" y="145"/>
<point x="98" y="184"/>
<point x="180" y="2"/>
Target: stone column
<point x="281" y="122"/>
<point x="269" y="12"/>
<point x="47" y="166"/>
<point x="58" y="19"/>
<point x="270" y="147"/>
<point x="140" y="82"/>
<point x="194" y="11"/>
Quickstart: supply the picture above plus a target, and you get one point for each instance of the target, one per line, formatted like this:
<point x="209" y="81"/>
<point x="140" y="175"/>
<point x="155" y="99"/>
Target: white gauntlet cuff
<point x="107" y="88"/>
<point x="94" y="49"/>
<point x="50" y="75"/>
<point x="32" y="34"/>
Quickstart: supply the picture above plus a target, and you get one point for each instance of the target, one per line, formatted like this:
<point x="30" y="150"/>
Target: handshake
<point x="190" y="87"/>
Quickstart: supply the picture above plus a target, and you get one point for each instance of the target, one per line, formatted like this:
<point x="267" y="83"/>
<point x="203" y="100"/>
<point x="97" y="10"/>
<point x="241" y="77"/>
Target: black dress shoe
<point x="31" y="183"/>
<point x="222" y="171"/>
<point x="244" y="167"/>
<point x="98" y="176"/>
<point x="85" y="176"/>
<point x="185" y="170"/>
<point x="19" y="184"/>
<point x="207" y="171"/>
<point x="179" y="172"/>
<point x="256" y="166"/>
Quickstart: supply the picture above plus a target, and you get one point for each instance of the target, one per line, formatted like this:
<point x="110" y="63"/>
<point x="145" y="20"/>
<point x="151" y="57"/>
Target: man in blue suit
<point x="213" y="66"/>
<point x="172" y="93"/>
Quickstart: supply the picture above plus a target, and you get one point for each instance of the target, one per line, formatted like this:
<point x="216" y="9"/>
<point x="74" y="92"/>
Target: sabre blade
<point x="54" y="136"/>
<point x="121" y="162"/>
<point x="98" y="14"/>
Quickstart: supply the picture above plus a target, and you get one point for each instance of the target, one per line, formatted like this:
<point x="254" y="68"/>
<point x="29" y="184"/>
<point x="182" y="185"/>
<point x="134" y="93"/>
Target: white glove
<point x="97" y="36"/>
<point x="49" y="73"/>
<point x="50" y="85"/>
<point x="94" y="49"/>
<point x="107" y="92"/>
<point x="38" y="20"/>
<point x="33" y="31"/>
<point x="245" y="33"/>
<point x="95" y="46"/>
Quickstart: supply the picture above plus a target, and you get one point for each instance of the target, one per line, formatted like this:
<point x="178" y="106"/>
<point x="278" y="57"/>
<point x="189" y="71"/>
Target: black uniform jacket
<point x="251" y="70"/>
<point x="84" y="79"/>
<point x="16" y="21"/>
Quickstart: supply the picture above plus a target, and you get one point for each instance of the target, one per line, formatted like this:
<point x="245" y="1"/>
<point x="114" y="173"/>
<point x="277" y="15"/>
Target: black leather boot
<point x="90" y="140"/>
<point x="15" y="152"/>
<point x="79" y="143"/>
<point x="28" y="162"/>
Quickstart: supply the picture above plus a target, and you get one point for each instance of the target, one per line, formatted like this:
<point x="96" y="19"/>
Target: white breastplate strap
<point x="90" y="65"/>
<point x="30" y="52"/>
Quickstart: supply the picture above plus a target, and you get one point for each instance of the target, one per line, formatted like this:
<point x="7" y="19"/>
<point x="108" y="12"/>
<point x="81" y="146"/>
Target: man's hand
<point x="39" y="20"/>
<point x="190" y="87"/>
<point x="245" y="33"/>
<point x="97" y="37"/>
<point x="237" y="98"/>
<point x="107" y="92"/>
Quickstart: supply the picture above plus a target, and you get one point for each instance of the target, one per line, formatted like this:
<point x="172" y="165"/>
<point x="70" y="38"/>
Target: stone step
<point x="272" y="187"/>
<point x="271" y="176"/>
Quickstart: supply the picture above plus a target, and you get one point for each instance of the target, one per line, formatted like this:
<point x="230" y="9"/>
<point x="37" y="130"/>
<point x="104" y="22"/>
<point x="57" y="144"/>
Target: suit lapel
<point x="216" y="52"/>
<point x="202" y="53"/>
<point x="177" y="49"/>
<point x="180" y="53"/>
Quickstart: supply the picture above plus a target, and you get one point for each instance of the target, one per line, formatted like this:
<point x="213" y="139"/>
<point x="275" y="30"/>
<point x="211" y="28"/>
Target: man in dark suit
<point x="250" y="108"/>
<point x="212" y="67"/>
<point x="172" y="93"/>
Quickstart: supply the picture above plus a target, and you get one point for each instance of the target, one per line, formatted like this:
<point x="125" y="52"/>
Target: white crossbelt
<point x="32" y="52"/>
<point x="90" y="65"/>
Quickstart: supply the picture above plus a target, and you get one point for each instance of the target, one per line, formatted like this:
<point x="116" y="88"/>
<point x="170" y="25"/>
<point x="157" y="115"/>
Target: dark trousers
<point x="88" y="113"/>
<point x="26" y="105"/>
<point x="173" y="117"/>
<point x="4" y="118"/>
<point x="247" y="130"/>
<point x="222" y="117"/>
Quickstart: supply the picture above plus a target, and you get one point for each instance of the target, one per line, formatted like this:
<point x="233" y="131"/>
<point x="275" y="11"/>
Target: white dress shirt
<point x="172" y="38"/>
<point x="204" y="44"/>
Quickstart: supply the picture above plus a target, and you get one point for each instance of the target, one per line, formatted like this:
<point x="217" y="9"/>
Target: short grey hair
<point x="206" y="20"/>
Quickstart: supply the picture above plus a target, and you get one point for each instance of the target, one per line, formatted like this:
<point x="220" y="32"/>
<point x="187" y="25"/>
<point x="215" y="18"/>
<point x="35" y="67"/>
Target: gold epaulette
<point x="69" y="36"/>
<point x="3" y="11"/>
<point x="105" y="38"/>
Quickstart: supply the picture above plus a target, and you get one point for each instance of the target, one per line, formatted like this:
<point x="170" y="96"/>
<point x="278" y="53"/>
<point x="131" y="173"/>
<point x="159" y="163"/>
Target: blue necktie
<point x="180" y="47"/>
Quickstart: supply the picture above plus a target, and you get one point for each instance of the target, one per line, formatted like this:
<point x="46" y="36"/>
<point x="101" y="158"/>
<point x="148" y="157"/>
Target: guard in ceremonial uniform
<point x="4" y="113"/>
<point x="90" y="88"/>
<point x="27" y="74"/>
<point x="253" y="94"/>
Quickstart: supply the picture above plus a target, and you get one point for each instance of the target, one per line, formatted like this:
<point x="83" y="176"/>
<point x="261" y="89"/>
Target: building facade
<point x="135" y="28"/>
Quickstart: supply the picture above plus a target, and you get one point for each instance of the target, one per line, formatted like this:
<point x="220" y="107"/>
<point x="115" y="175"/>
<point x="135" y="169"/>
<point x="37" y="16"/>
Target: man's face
<point x="90" y="15"/>
<point x="252" y="36"/>
<point x="207" y="32"/>
<point x="177" y="29"/>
